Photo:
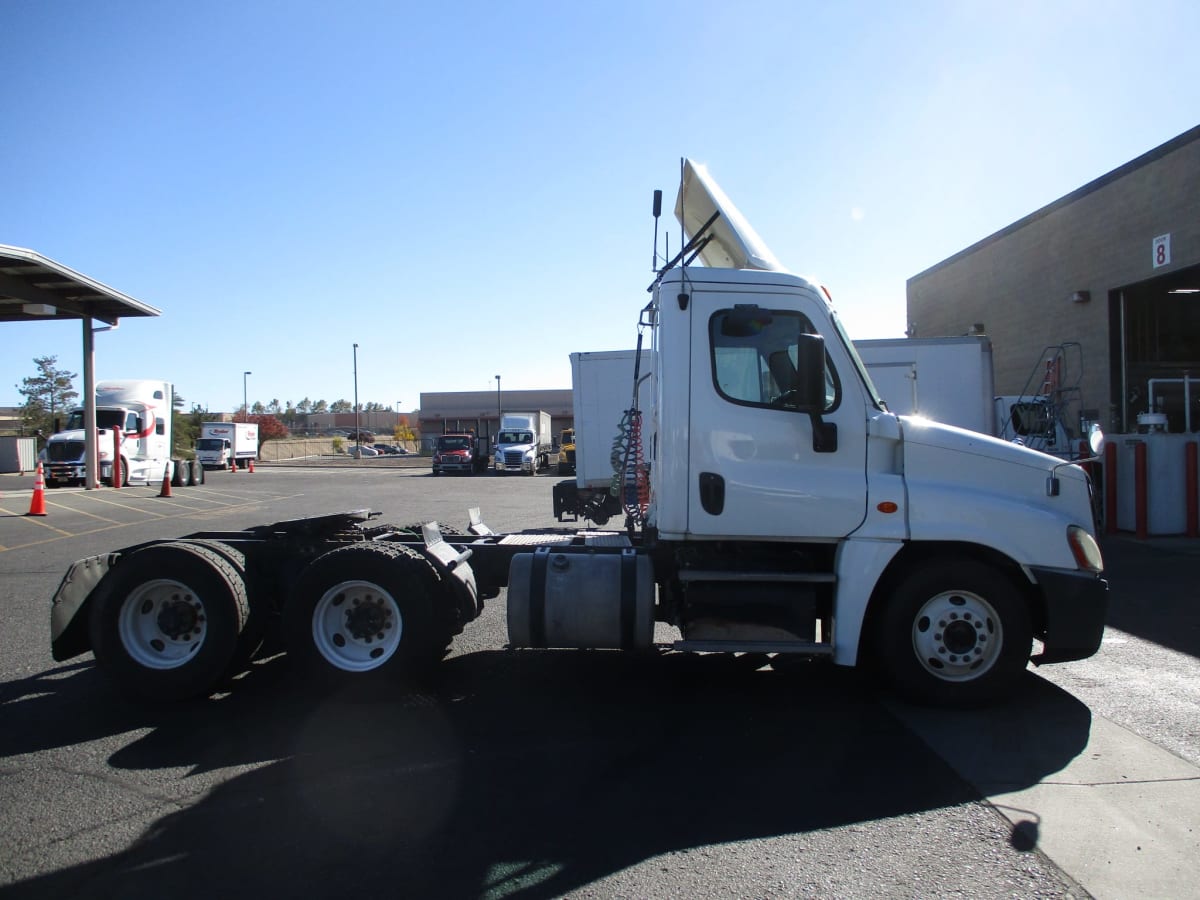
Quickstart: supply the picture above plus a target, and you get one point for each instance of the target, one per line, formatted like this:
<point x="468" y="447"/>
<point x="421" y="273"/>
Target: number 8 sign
<point x="1162" y="250"/>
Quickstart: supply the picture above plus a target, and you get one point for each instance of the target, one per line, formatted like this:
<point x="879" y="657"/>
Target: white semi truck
<point x="778" y="509"/>
<point x="134" y="412"/>
<point x="524" y="442"/>
<point x="222" y="445"/>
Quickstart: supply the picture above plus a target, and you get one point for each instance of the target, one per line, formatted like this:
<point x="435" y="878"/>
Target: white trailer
<point x="225" y="444"/>
<point x="602" y="394"/>
<point x="947" y="379"/>
<point x="132" y="413"/>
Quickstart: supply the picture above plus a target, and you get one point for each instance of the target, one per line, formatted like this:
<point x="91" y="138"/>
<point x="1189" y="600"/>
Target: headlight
<point x="1085" y="549"/>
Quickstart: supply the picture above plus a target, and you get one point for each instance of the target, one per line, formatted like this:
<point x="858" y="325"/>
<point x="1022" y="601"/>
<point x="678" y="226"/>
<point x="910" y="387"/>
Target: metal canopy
<point x="36" y="289"/>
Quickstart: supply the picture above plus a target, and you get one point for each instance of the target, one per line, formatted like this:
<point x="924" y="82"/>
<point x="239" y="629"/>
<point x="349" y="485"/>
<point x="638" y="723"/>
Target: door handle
<point x="712" y="493"/>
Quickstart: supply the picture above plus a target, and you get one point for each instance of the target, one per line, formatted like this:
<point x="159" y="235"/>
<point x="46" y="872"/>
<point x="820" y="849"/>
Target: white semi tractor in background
<point x="223" y="445"/>
<point x="523" y="443"/>
<point x="779" y="510"/>
<point x="136" y="413"/>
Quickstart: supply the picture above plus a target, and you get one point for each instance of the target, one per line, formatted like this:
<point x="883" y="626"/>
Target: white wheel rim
<point x="957" y="636"/>
<point x="356" y="626"/>
<point x="162" y="624"/>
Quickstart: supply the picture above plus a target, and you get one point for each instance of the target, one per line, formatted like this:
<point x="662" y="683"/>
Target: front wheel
<point x="955" y="634"/>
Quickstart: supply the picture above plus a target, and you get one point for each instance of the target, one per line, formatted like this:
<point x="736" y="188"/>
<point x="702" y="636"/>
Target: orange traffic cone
<point x="251" y="469"/>
<point x="37" y="504"/>
<point x="233" y="465"/>
<point x="166" y="485"/>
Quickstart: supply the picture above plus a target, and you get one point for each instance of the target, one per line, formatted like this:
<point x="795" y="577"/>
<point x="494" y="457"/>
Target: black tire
<point x="364" y="612"/>
<point x="167" y="621"/>
<point x="124" y="475"/>
<point x="954" y="633"/>
<point x="255" y="628"/>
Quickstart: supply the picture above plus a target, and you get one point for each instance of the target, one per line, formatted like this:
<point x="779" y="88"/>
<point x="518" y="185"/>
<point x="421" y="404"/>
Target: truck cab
<point x="937" y="551"/>
<point x="454" y="453"/>
<point x="566" y="452"/>
<point x="523" y="442"/>
<point x="133" y="432"/>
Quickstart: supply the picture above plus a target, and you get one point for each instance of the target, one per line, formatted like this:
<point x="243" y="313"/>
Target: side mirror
<point x="810" y="391"/>
<point x="810" y="374"/>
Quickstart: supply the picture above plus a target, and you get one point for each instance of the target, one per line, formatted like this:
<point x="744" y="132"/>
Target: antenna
<point x="657" y="212"/>
<point x="683" y="238"/>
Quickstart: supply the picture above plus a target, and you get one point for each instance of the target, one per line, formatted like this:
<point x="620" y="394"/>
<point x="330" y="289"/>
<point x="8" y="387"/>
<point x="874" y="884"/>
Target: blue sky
<point x="465" y="191"/>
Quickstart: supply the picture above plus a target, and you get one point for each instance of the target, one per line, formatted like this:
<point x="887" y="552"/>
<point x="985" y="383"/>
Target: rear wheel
<point x="168" y="621"/>
<point x="955" y="634"/>
<point x="255" y="628"/>
<point x="366" y="610"/>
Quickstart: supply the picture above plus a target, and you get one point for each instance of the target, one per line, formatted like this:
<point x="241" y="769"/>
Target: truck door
<point x="753" y="468"/>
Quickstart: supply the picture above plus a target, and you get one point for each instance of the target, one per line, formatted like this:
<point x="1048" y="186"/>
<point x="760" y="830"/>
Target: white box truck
<point x="225" y="444"/>
<point x="947" y="379"/>
<point x="136" y="413"/>
<point x="602" y="394"/>
<point x="524" y="442"/>
<point x="781" y="511"/>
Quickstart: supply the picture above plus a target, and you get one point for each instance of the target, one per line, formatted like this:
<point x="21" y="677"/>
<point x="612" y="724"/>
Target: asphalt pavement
<point x="572" y="774"/>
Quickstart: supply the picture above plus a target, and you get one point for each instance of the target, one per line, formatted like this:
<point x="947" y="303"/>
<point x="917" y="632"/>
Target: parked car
<point x="387" y="449"/>
<point x="363" y="452"/>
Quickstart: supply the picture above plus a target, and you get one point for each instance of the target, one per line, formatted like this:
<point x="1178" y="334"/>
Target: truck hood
<point x="524" y="448"/>
<point x="966" y="486"/>
<point x="75" y="434"/>
<point x="920" y="432"/>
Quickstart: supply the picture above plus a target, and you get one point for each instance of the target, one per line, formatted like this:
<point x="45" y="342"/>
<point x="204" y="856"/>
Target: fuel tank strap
<point x="537" y="597"/>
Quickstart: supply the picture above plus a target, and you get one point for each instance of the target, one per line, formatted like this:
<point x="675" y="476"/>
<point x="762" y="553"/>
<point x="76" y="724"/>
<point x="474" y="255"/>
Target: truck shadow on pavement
<point x="527" y="774"/>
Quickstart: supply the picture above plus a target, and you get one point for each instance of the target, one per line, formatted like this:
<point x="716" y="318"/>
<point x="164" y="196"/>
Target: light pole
<point x="245" y="401"/>
<point x="357" y="433"/>
<point x="499" y="408"/>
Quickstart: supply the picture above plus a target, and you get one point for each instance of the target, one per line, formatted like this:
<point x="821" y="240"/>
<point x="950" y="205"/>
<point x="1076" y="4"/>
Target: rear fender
<point x="68" y="611"/>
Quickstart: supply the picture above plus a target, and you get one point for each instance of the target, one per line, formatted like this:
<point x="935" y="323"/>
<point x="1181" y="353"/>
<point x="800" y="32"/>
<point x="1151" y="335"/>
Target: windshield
<point x="859" y="366"/>
<point x="454" y="443"/>
<point x="105" y="418"/>
<point x="516" y="437"/>
<point x="209" y="444"/>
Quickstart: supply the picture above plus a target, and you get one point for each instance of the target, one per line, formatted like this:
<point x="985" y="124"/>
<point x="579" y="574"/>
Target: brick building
<point x="1111" y="272"/>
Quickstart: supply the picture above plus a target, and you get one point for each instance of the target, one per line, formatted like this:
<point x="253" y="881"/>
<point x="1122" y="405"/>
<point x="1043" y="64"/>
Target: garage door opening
<point x="1155" y="338"/>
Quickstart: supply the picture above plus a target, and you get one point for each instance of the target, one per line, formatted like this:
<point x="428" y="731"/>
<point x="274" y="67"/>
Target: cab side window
<point x="754" y="355"/>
